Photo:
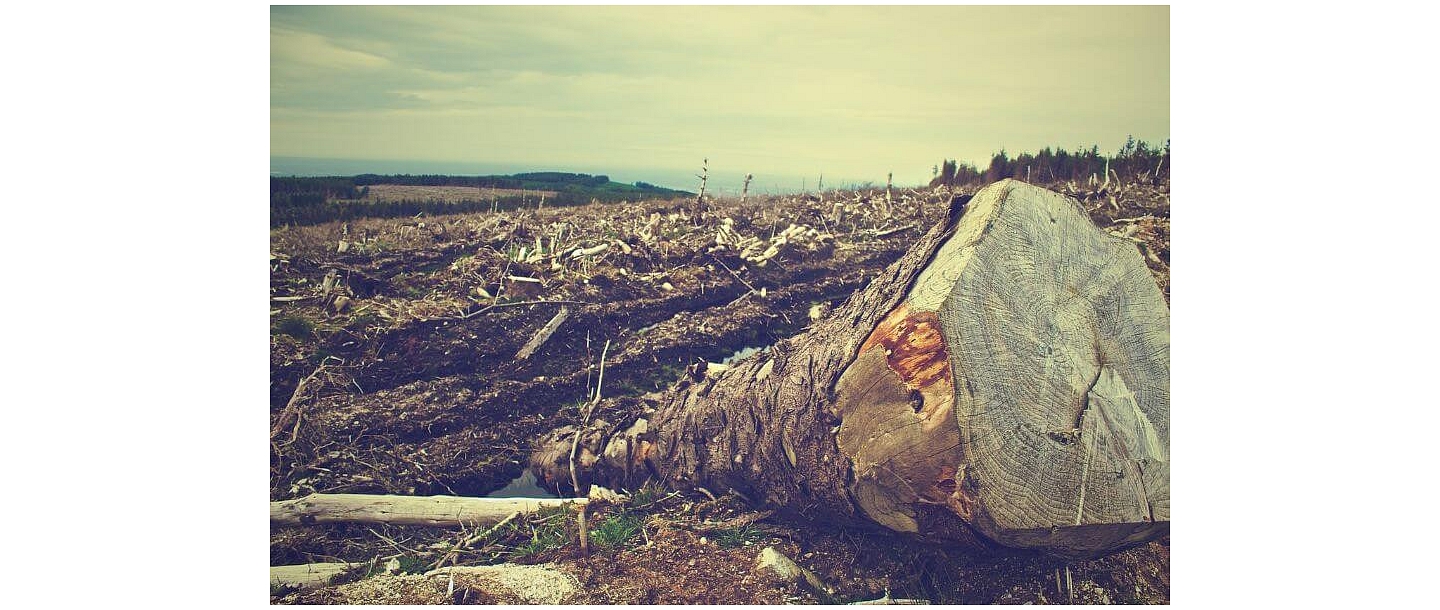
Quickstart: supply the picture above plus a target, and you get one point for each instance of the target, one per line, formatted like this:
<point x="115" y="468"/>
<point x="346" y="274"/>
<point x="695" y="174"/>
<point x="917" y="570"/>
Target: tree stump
<point x="1006" y="383"/>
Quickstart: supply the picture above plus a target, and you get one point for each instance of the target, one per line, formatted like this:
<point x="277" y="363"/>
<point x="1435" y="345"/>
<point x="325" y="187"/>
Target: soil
<point x="415" y="387"/>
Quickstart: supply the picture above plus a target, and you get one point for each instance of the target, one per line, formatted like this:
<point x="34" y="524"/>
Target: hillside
<point x="312" y="200"/>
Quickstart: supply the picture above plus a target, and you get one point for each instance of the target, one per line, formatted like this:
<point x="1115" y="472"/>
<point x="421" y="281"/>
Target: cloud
<point x="302" y="53"/>
<point x="857" y="89"/>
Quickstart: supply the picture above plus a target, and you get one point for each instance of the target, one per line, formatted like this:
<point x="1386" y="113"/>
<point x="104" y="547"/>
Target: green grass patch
<point x="648" y="494"/>
<point x="555" y="528"/>
<point x="412" y="565"/>
<point x="735" y="537"/>
<point x="616" y="529"/>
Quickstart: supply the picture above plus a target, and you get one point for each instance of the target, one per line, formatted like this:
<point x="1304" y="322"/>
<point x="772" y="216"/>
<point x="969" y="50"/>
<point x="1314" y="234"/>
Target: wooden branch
<point x="290" y="416"/>
<point x="543" y="335"/>
<point x="489" y="308"/>
<point x="589" y="410"/>
<point x="465" y="544"/>
<point x="592" y="251"/>
<point x="307" y="576"/>
<point x="431" y="511"/>
<point x="892" y="601"/>
<point x="704" y="177"/>
<point x="889" y="179"/>
<point x="894" y="230"/>
<point x="732" y="272"/>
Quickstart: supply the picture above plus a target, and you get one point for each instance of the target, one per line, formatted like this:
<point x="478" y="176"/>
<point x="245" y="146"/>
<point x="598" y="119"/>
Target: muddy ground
<point x="405" y="333"/>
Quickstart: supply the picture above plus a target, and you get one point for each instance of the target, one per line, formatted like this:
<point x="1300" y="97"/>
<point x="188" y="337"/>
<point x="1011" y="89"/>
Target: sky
<point x="782" y="92"/>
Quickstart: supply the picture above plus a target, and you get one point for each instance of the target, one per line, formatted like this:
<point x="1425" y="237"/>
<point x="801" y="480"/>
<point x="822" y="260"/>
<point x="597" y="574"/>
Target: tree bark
<point x="1004" y="384"/>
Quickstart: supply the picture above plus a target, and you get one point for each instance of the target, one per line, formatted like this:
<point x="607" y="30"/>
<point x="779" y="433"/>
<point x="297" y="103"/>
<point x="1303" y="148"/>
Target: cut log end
<point x="1057" y="339"/>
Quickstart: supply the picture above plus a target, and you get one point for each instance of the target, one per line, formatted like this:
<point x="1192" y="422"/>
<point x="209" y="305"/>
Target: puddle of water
<point x="744" y="352"/>
<point x="524" y="486"/>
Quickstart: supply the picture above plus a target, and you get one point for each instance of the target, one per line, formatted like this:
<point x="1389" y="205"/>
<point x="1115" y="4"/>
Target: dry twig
<point x="290" y="416"/>
<point x="489" y="308"/>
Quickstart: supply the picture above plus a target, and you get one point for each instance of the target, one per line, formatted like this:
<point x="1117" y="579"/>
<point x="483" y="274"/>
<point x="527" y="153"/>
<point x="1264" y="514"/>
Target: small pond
<point x="743" y="353"/>
<point x="524" y="486"/>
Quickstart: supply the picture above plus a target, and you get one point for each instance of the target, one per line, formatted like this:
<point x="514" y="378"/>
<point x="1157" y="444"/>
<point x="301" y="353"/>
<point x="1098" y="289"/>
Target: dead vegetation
<point x="448" y="194"/>
<point x="396" y="368"/>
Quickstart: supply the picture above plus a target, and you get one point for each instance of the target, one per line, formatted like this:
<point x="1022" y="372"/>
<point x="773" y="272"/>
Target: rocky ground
<point x="394" y="369"/>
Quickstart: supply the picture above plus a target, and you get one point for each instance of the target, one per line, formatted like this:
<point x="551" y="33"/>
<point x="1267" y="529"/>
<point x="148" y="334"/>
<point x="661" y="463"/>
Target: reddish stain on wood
<point x="915" y="350"/>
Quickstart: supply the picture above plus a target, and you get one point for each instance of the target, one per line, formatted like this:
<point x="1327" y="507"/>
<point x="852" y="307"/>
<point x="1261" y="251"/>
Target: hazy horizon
<point x="721" y="181"/>
<point x="786" y="93"/>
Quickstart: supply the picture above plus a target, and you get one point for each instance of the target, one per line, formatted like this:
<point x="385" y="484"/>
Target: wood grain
<point x="1063" y="373"/>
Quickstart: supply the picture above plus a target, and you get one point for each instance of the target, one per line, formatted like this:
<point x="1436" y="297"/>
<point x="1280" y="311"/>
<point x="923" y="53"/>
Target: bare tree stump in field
<point x="1007" y="382"/>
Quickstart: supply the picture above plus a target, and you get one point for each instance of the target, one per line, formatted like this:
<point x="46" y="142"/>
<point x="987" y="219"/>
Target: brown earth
<point x="421" y="392"/>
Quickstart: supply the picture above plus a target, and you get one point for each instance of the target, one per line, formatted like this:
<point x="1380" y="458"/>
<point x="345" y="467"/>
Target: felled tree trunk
<point x="1004" y="383"/>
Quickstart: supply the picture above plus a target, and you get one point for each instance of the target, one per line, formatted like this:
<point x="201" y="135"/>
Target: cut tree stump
<point x="432" y="511"/>
<point x="1005" y="384"/>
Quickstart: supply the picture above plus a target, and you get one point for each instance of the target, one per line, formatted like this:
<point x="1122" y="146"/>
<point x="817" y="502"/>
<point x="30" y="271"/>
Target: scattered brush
<point x="550" y="529"/>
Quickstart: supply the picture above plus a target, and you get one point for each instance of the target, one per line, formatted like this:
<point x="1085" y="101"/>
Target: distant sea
<point x="721" y="182"/>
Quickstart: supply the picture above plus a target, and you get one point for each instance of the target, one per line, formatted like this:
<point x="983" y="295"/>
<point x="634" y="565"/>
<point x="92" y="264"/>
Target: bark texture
<point x="1006" y="382"/>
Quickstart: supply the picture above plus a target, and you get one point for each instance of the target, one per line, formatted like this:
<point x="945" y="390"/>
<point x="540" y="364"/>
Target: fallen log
<point x="432" y="511"/>
<point x="307" y="576"/>
<point x="1005" y="384"/>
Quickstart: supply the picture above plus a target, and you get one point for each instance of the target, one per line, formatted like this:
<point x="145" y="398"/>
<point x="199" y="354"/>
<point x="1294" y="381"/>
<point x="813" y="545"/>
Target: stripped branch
<point x="290" y="416"/>
<point x="543" y="335"/>
<point x="431" y="511"/>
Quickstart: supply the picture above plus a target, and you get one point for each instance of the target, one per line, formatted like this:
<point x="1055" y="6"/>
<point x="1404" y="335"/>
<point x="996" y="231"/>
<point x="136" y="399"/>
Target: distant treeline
<point x="540" y="181"/>
<point x="303" y="201"/>
<point x="1136" y="160"/>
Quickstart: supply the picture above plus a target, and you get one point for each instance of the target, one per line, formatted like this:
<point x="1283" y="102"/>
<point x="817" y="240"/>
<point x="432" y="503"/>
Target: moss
<point x="294" y="326"/>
